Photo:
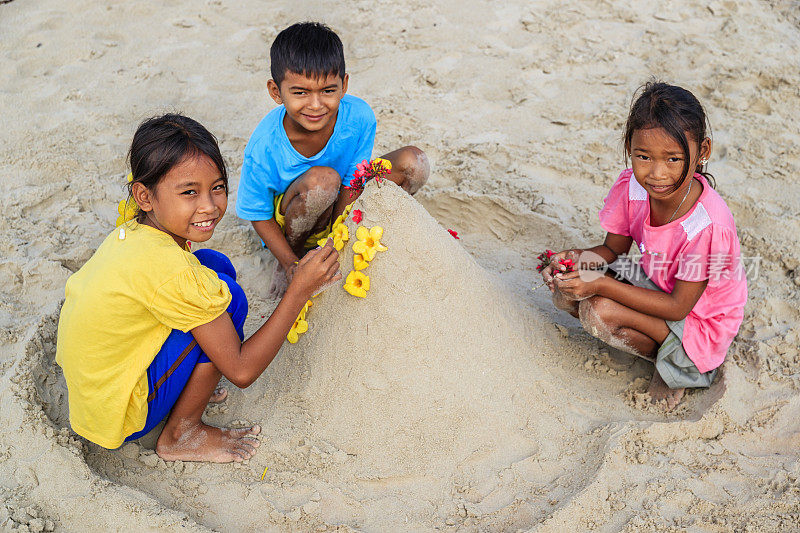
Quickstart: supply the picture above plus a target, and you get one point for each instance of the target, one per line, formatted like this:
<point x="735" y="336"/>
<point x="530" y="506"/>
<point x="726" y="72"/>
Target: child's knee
<point x="238" y="306"/>
<point x="216" y="261"/>
<point x="412" y="163"/>
<point x="596" y="315"/>
<point x="323" y="179"/>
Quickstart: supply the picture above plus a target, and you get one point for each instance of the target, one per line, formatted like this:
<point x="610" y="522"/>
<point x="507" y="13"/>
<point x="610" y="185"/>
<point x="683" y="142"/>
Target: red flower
<point x="357" y="216"/>
<point x="568" y="263"/>
<point x="453" y="233"/>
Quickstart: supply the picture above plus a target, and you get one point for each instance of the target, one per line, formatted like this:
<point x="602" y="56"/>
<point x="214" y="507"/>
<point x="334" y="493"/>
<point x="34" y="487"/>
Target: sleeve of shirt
<point x="195" y="296"/>
<point x="615" y="215"/>
<point x="364" y="147"/>
<point x="256" y="193"/>
<point x="713" y="254"/>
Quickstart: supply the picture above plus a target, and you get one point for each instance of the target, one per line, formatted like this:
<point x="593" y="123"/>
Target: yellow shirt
<point x="119" y="309"/>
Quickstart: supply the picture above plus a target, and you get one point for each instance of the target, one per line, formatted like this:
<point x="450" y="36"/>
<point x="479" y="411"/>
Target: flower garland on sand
<point x="300" y="325"/>
<point x="364" y="250"/>
<point x="367" y="245"/>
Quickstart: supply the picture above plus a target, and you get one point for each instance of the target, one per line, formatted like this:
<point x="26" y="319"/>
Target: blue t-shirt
<point x="271" y="163"/>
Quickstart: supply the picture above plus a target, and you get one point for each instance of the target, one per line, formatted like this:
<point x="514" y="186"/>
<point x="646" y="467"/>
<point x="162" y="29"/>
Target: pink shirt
<point x="700" y="245"/>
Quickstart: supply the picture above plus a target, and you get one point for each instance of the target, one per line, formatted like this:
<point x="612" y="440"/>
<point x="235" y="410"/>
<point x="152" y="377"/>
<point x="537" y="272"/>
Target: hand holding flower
<point x="574" y="286"/>
<point x="554" y="263"/>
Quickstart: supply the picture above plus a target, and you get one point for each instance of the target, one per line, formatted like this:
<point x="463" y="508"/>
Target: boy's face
<point x="311" y="102"/>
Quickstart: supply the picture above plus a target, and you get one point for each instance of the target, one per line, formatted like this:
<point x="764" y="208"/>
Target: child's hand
<point x="575" y="286"/>
<point x="316" y="269"/>
<point x="555" y="266"/>
<point x="290" y="271"/>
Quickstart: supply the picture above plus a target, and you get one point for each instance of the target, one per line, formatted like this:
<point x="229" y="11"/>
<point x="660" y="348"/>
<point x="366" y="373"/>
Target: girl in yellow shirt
<point x="148" y="328"/>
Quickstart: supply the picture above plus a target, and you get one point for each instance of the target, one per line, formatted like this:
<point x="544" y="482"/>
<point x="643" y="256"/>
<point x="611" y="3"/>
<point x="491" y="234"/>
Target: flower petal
<point x="376" y="232"/>
<point x="362" y="233"/>
<point x="351" y="277"/>
<point x="359" y="263"/>
<point x="302" y="326"/>
<point x="292" y="336"/>
<point x="355" y="291"/>
<point x="359" y="247"/>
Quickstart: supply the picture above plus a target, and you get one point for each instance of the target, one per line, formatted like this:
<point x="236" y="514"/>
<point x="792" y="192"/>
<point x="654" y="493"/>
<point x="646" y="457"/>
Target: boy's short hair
<point x="306" y="48"/>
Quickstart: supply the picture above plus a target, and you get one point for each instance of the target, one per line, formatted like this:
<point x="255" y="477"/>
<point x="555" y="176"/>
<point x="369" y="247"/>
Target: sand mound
<point x="432" y="366"/>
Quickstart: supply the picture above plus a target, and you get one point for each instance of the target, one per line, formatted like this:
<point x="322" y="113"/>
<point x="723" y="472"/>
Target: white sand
<point x="447" y="399"/>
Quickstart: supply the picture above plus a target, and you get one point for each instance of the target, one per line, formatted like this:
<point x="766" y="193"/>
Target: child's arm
<point x="669" y="306"/>
<point x="273" y="237"/>
<point x="243" y="362"/>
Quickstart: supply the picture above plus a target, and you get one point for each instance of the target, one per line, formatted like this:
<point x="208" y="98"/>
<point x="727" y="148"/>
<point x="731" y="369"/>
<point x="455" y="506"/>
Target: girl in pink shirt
<point x="681" y="304"/>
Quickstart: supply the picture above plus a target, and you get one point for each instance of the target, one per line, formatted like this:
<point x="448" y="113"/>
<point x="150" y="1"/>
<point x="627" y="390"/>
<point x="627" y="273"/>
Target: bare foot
<point x="658" y="390"/>
<point x="279" y="283"/>
<point x="219" y="395"/>
<point x="195" y="441"/>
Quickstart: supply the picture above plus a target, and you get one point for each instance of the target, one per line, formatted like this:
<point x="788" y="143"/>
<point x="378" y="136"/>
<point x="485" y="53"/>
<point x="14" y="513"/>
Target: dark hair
<point x="306" y="48"/>
<point x="162" y="142"/>
<point x="677" y="111"/>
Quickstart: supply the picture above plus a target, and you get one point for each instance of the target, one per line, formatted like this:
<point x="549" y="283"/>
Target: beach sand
<point x="453" y="397"/>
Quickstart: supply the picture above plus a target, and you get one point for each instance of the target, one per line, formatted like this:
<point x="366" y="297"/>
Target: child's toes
<point x="244" y="449"/>
<point x="219" y="395"/>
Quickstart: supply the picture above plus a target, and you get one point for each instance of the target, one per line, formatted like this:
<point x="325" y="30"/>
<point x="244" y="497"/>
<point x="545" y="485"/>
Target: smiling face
<point x="187" y="203"/>
<point x="658" y="161"/>
<point x="311" y="102"/>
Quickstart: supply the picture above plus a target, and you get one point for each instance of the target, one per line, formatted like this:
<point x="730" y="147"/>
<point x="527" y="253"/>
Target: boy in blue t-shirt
<point x="300" y="159"/>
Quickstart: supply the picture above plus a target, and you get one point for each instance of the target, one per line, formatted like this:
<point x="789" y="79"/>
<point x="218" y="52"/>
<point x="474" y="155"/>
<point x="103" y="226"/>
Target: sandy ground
<point x="453" y="397"/>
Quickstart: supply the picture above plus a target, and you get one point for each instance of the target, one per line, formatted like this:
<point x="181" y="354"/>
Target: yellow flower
<point x="323" y="240"/>
<point x="340" y="236"/>
<point x="377" y="163"/>
<point x="359" y="263"/>
<point x="369" y="242"/>
<point x="127" y="211"/>
<point x="357" y="284"/>
<point x="341" y="218"/>
<point x="126" y="208"/>
<point x="299" y="327"/>
<point x="303" y="312"/>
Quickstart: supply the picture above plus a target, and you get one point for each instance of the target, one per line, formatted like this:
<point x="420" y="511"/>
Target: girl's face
<point x="658" y="161"/>
<point x="187" y="203"/>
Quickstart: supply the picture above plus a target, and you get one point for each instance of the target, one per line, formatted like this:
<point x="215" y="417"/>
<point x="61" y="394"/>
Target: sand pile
<point x="433" y="365"/>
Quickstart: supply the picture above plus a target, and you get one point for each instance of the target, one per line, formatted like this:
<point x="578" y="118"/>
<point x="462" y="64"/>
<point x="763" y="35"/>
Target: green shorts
<point x="672" y="362"/>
